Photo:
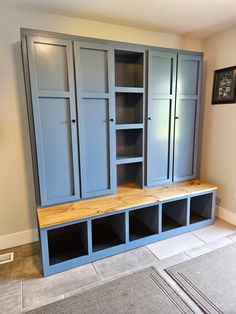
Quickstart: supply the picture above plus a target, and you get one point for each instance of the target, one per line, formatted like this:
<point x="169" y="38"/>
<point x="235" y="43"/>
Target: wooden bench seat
<point x="128" y="196"/>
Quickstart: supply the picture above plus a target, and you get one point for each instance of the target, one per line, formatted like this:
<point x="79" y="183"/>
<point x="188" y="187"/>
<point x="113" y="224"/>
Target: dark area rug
<point x="141" y="292"/>
<point x="210" y="280"/>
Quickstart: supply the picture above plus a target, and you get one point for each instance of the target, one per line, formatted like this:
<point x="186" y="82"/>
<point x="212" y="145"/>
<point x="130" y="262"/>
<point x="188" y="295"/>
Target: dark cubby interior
<point x="174" y="215"/>
<point x="143" y="222"/>
<point x="129" y="108"/>
<point x="67" y="242"/>
<point x="128" y="69"/>
<point x="108" y="232"/>
<point x="129" y="173"/>
<point x="200" y="208"/>
<point x="129" y="143"/>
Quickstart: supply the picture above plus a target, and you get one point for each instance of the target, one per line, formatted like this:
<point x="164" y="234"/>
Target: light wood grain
<point x="127" y="196"/>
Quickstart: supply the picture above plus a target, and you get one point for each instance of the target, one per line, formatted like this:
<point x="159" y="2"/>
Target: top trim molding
<point x="115" y="44"/>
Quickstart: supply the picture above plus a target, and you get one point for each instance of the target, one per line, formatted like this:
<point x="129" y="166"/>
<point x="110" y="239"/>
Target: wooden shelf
<point x="128" y="160"/>
<point x="127" y="197"/>
<point x="128" y="126"/>
<point x="129" y="89"/>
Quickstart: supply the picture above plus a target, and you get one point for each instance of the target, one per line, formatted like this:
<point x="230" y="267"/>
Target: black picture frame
<point x="224" y="86"/>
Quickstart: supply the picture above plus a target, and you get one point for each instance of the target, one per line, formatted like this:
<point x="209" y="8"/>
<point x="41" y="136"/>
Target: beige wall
<point x="17" y="207"/>
<point x="218" y="158"/>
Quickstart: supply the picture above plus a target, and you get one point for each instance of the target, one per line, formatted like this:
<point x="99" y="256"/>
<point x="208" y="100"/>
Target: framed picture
<point x="224" y="86"/>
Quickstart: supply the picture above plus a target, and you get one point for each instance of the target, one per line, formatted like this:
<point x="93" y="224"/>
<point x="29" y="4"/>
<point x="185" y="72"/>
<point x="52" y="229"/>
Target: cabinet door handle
<point x="111" y="120"/>
<point x="177" y="118"/>
<point x="149" y="118"/>
<point x="73" y="120"/>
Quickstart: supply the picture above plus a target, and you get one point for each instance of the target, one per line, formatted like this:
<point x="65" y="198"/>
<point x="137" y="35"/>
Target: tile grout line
<point x="152" y="252"/>
<point x="21" y="295"/>
<point x="99" y="278"/>
<point x="203" y="242"/>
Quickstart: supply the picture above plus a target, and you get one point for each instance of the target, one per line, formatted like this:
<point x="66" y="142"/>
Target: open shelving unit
<point x="92" y="229"/>
<point x="201" y="208"/>
<point x="129" y="68"/>
<point x="129" y="143"/>
<point x="143" y="222"/>
<point x="174" y="215"/>
<point x="129" y="98"/>
<point x="108" y="232"/>
<point x="130" y="173"/>
<point x="129" y="108"/>
<point x="62" y="245"/>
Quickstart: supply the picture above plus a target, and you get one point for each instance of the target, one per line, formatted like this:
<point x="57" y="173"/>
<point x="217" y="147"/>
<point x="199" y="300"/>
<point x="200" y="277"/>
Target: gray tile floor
<point x="23" y="287"/>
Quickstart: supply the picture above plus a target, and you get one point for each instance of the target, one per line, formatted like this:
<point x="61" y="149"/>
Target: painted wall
<point x="17" y="205"/>
<point x="218" y="157"/>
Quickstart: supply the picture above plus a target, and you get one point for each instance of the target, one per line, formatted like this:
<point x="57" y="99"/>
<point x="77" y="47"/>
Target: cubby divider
<point x="200" y="208"/>
<point x="143" y="222"/>
<point x="174" y="214"/>
<point x="108" y="232"/>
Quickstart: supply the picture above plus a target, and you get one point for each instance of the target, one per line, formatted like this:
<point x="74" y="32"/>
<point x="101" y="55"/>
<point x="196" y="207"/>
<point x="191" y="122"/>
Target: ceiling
<point x="196" y="18"/>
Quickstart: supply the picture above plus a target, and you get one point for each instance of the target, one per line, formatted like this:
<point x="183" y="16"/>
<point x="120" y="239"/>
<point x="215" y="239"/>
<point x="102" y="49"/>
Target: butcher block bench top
<point x="127" y="196"/>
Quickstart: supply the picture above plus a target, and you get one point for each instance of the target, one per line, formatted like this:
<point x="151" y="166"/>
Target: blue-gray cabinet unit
<point x="54" y="118"/>
<point x="103" y="114"/>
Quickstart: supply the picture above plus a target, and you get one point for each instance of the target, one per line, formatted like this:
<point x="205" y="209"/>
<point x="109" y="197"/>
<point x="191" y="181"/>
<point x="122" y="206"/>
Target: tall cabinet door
<point x="96" y="118"/>
<point x="160" y="117"/>
<point x="187" y="116"/>
<point x="54" y="118"/>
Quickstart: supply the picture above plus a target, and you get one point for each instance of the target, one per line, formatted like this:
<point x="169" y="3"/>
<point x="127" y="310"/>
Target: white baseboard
<point x="226" y="215"/>
<point x="19" y="238"/>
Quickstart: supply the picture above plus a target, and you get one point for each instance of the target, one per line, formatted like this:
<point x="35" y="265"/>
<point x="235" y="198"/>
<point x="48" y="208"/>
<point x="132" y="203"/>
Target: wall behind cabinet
<point x="17" y="210"/>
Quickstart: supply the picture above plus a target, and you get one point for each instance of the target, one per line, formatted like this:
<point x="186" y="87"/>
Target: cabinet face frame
<point x="68" y="96"/>
<point x="188" y="97"/>
<point x="108" y="97"/>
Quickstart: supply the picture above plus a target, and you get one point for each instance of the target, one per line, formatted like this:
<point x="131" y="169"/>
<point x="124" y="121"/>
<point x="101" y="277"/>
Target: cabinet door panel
<point x="187" y="117"/>
<point x="162" y="74"/>
<point x="95" y="109"/>
<point x="185" y="138"/>
<point x="56" y="147"/>
<point x="94" y="70"/>
<point x="161" y="99"/>
<point x="159" y="142"/>
<point x="94" y="139"/>
<point x="53" y="110"/>
<point x="51" y="66"/>
<point x="188" y="76"/>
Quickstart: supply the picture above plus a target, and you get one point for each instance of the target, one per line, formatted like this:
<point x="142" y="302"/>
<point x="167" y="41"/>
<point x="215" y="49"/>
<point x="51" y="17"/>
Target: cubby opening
<point x="200" y="208"/>
<point x="174" y="215"/>
<point x="128" y="68"/>
<point x="108" y="232"/>
<point x="129" y="108"/>
<point x="143" y="222"/>
<point x="129" y="143"/>
<point x="129" y="174"/>
<point x="67" y="242"/>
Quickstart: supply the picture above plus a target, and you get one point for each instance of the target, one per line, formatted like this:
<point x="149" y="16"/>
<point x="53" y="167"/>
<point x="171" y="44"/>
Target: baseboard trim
<point x="226" y="215"/>
<point x="19" y="238"/>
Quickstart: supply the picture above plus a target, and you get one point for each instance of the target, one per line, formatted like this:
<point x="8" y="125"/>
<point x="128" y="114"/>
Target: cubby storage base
<point x="165" y="212"/>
